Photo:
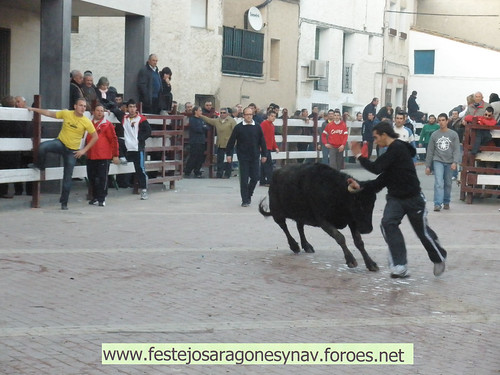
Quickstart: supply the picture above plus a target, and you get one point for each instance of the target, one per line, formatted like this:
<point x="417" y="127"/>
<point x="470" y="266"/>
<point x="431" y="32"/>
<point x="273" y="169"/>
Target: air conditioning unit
<point x="317" y="69"/>
<point x="393" y="32"/>
<point x="403" y="35"/>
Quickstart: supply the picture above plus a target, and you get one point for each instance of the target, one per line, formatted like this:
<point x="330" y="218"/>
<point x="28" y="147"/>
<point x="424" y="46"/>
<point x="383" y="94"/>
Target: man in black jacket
<point x="370" y="108"/>
<point x="396" y="171"/>
<point x="149" y="86"/>
<point x="250" y="143"/>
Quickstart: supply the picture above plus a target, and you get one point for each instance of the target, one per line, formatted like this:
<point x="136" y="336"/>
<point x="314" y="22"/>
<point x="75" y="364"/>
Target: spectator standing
<point x="224" y="126"/>
<point x="149" y="86"/>
<point x="427" y="130"/>
<point x="367" y="132"/>
<point x="443" y="156"/>
<point x="334" y="137"/>
<point x="98" y="157"/>
<point x="75" y="88"/>
<point x="166" y="97"/>
<point x="321" y="146"/>
<point x="250" y="142"/>
<point x="10" y="159"/>
<point x="405" y="133"/>
<point x="197" y="136"/>
<point x="67" y="143"/>
<point x="89" y="89"/>
<point x="266" y="169"/>
<point x="370" y="108"/>
<point x="136" y="130"/>
<point x="396" y="171"/>
<point x="208" y="110"/>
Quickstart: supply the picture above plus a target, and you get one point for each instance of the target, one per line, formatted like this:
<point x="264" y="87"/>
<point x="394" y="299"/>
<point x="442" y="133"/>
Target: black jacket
<point x="396" y="170"/>
<point x="250" y="141"/>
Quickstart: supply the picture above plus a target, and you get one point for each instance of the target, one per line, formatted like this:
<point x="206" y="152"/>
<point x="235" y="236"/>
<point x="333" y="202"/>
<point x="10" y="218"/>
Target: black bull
<point x="317" y="195"/>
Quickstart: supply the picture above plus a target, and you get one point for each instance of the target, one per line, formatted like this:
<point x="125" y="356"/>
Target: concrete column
<point x="55" y="52"/>
<point x="137" y="34"/>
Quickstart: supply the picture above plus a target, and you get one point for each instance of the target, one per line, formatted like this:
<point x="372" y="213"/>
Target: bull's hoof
<point x="295" y="248"/>
<point x="372" y="267"/>
<point x="352" y="264"/>
<point x="308" y="248"/>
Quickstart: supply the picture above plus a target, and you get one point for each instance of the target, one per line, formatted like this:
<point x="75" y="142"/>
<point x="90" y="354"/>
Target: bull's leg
<point x="339" y="237"/>
<point x="303" y="242"/>
<point x="294" y="246"/>
<point x="358" y="241"/>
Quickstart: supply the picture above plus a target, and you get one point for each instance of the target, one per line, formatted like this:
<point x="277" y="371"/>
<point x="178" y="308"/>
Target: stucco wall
<point x="99" y="47"/>
<point x="460" y="69"/>
<point x="280" y="23"/>
<point x="25" y="50"/>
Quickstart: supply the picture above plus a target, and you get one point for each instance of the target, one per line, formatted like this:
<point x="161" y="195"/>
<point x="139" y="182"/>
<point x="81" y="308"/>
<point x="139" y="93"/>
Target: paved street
<point x="190" y="265"/>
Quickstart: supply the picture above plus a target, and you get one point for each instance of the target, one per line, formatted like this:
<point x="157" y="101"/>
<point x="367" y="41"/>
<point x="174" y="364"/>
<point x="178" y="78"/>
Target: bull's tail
<point x="262" y="210"/>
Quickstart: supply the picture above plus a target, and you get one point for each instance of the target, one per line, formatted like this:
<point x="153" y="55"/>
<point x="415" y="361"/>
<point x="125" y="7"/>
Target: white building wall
<point x="460" y="69"/>
<point x="99" y="47"/>
<point x="363" y="21"/>
<point x="25" y="50"/>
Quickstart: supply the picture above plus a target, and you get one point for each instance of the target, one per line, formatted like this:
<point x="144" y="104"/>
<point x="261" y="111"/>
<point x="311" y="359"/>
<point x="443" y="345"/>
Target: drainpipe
<point x="265" y="3"/>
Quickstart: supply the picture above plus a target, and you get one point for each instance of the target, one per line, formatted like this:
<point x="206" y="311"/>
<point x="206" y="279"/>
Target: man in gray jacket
<point x="443" y="154"/>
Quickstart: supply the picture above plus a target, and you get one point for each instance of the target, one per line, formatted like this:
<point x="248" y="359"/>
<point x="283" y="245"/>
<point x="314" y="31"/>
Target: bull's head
<point x="363" y="201"/>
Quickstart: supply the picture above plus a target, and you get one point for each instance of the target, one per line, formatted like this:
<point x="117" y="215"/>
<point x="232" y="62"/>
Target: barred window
<point x="243" y="52"/>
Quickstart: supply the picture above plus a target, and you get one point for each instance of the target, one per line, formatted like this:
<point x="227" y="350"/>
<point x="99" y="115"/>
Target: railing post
<point x="315" y="134"/>
<point x="284" y="133"/>
<point x="37" y="136"/>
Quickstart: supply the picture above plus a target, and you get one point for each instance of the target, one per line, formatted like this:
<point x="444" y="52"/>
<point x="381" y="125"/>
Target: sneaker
<point x="93" y="202"/>
<point x="446" y="206"/>
<point x="144" y="194"/>
<point x="399" y="272"/>
<point x="437" y="207"/>
<point x="64" y="206"/>
<point x="102" y="204"/>
<point x="245" y="204"/>
<point x="123" y="160"/>
<point x="439" y="268"/>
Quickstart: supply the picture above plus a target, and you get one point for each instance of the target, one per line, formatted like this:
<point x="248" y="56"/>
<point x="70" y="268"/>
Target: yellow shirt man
<point x="73" y="128"/>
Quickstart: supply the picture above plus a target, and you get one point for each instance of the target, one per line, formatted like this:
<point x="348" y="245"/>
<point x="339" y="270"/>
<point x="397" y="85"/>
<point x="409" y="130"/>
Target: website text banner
<point x="257" y="354"/>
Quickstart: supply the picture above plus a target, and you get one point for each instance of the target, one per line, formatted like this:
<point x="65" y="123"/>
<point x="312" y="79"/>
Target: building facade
<point x="454" y="52"/>
<point x="350" y="54"/>
<point x="35" y="43"/>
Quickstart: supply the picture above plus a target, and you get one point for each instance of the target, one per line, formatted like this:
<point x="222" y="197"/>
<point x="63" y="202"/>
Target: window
<point x="347" y="79"/>
<point x="199" y="13"/>
<point x="274" y="72"/>
<point x="242" y="52"/>
<point x="75" y="24"/>
<point x="424" y="62"/>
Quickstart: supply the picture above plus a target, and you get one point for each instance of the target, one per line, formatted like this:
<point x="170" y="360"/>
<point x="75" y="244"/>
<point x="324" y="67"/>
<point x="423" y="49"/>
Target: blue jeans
<point x="442" y="182"/>
<point x="69" y="161"/>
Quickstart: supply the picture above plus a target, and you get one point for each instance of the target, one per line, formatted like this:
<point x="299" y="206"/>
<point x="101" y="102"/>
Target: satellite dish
<point x="255" y="18"/>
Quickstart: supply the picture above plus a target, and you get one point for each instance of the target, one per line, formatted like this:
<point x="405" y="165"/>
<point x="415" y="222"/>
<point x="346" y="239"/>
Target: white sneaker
<point x="439" y="268"/>
<point x="144" y="194"/>
<point x="399" y="271"/>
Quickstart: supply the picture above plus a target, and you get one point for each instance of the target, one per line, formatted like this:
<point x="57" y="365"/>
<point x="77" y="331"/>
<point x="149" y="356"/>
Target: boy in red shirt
<point x="266" y="169"/>
<point x="334" y="137"/>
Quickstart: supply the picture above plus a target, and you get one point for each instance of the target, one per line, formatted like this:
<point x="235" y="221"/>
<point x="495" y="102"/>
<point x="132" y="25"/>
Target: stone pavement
<point x="191" y="265"/>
